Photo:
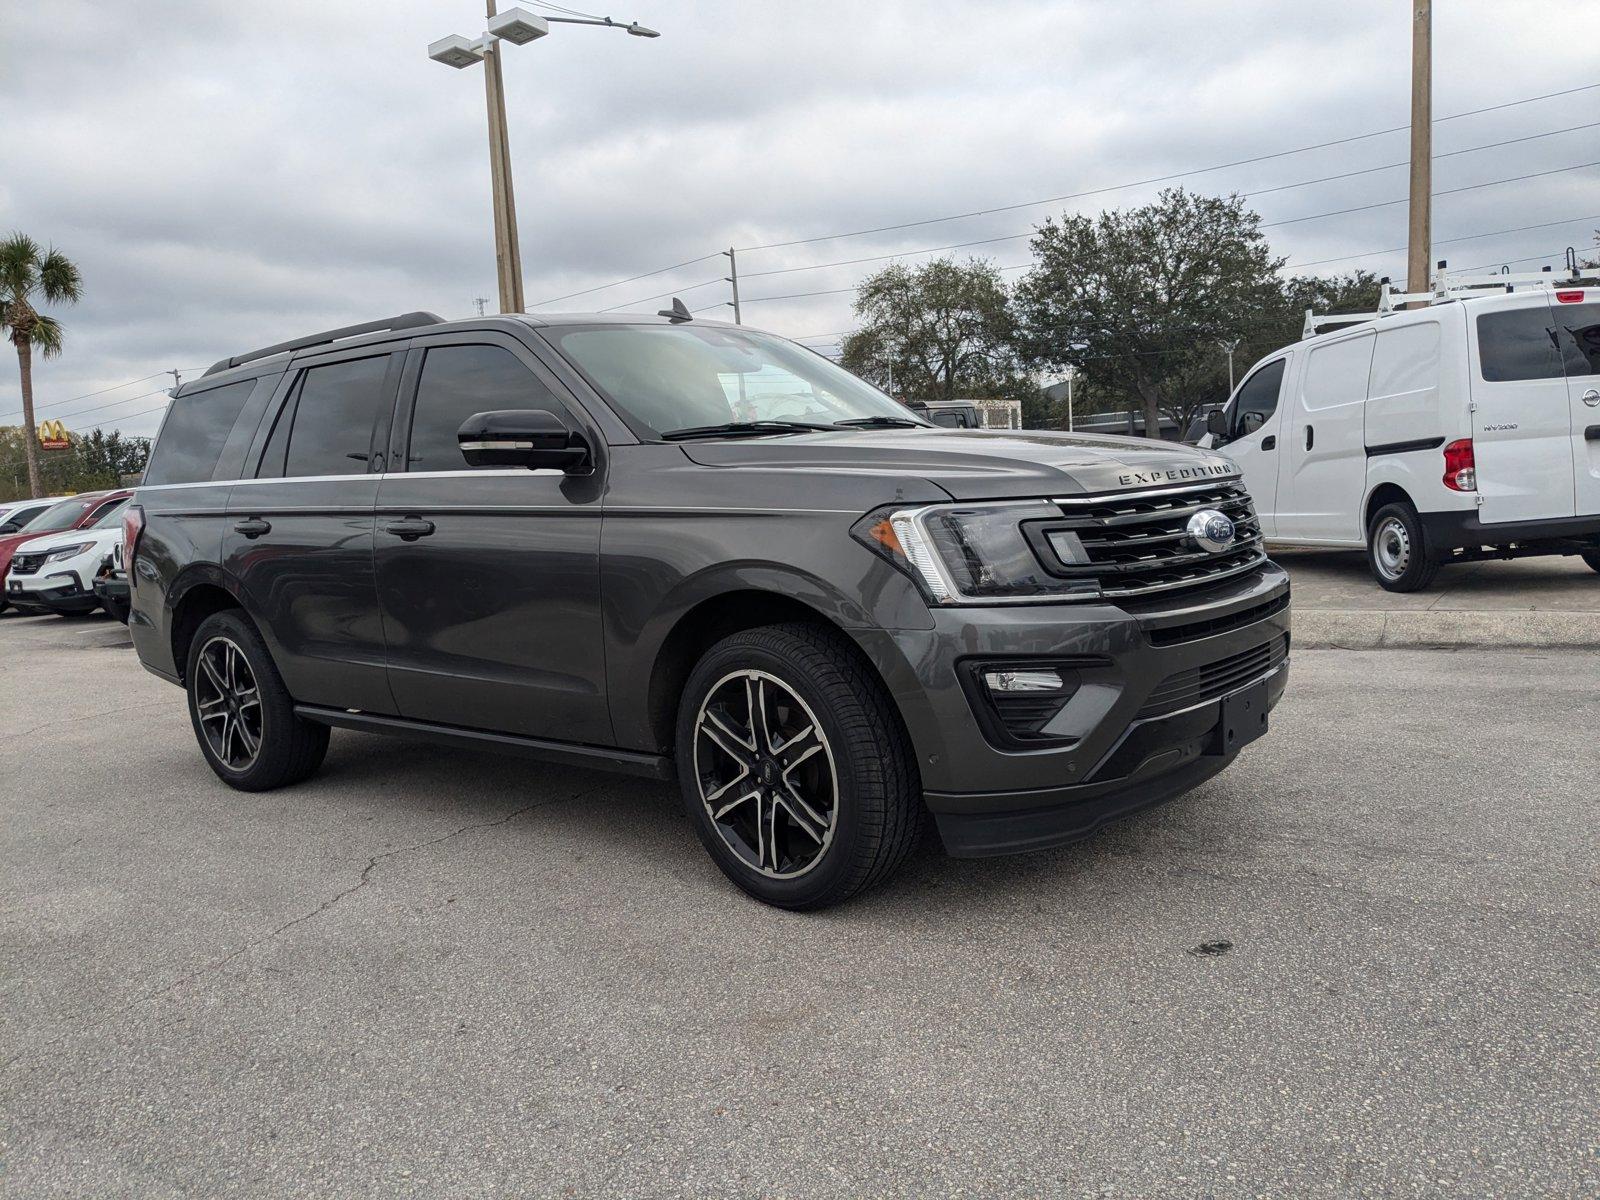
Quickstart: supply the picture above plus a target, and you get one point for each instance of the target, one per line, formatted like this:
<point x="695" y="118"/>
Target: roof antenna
<point x="678" y="312"/>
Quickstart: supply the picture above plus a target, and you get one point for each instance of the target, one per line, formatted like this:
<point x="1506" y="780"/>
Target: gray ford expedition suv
<point x="693" y="551"/>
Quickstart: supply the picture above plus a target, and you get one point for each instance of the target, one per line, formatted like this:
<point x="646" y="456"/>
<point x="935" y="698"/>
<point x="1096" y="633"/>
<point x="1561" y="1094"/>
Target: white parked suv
<point x="56" y="571"/>
<point x="1464" y="430"/>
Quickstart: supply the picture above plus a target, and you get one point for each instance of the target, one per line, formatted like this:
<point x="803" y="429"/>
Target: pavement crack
<point x="337" y="898"/>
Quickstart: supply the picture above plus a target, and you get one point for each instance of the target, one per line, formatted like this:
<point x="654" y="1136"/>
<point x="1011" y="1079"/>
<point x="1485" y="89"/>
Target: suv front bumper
<point x="1141" y="728"/>
<point x="59" y="592"/>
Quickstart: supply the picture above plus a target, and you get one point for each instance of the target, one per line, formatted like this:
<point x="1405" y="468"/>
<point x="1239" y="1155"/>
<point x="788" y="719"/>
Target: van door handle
<point x="252" y="527"/>
<point x="409" y="529"/>
<point x="1270" y="442"/>
<point x="1311" y="436"/>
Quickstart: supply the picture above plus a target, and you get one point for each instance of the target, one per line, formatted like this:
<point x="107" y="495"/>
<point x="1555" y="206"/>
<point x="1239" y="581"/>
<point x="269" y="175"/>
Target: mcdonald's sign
<point x="53" y="436"/>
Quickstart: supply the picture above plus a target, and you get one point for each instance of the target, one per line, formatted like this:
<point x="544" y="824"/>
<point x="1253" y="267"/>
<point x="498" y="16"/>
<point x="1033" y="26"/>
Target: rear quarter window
<point x="1518" y="344"/>
<point x="194" y="433"/>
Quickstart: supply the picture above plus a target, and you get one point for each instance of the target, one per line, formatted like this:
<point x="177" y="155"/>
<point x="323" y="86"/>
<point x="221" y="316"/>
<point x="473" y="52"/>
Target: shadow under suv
<point x="700" y="553"/>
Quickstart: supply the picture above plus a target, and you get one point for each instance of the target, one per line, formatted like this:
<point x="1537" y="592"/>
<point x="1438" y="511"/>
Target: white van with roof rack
<point x="1464" y="429"/>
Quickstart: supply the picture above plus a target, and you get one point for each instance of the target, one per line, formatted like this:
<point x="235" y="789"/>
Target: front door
<point x="1323" y="469"/>
<point x="298" y="534"/>
<point x="1522" y="414"/>
<point x="1253" y="417"/>
<point x="489" y="578"/>
<point x="1578" y="329"/>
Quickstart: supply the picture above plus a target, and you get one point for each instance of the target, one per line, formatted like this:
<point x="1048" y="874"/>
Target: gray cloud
<point x="227" y="175"/>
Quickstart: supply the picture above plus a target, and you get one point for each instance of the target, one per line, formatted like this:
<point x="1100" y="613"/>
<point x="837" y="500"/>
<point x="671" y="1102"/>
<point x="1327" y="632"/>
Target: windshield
<point x="664" y="379"/>
<point x="60" y="516"/>
<point x="111" y="516"/>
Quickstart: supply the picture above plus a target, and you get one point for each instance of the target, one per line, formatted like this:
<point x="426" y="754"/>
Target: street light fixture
<point x="516" y="27"/>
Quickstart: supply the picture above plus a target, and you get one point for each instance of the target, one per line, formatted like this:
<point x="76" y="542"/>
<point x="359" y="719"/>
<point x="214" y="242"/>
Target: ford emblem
<point x="1211" y="530"/>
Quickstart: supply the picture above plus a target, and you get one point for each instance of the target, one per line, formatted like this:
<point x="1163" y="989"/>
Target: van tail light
<point x="1570" y="297"/>
<point x="132" y="527"/>
<point x="1460" y="468"/>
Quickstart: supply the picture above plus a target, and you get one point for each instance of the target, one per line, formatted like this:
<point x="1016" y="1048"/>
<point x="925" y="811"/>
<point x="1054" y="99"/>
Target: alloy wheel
<point x="766" y="774"/>
<point x="1391" y="545"/>
<point x="228" y="703"/>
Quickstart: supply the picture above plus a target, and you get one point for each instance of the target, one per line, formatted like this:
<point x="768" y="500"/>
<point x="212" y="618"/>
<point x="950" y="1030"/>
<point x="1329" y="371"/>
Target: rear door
<point x="1522" y="413"/>
<point x="1254" y="416"/>
<point x="298" y="536"/>
<point x="1323" y="464"/>
<point x="490" y="577"/>
<point x="1578" y="331"/>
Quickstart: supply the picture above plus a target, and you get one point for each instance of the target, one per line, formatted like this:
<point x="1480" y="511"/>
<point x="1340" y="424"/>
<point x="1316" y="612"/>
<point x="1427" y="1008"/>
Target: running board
<point x="573" y="754"/>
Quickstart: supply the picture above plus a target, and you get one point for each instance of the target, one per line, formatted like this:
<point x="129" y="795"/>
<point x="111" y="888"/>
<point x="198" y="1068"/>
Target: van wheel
<point x="796" y="772"/>
<point x="242" y="715"/>
<point x="1397" y="550"/>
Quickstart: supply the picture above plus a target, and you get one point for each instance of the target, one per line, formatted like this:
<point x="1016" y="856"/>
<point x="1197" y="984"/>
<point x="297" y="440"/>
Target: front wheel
<point x="242" y="715"/>
<point x="796" y="772"/>
<point x="1397" y="550"/>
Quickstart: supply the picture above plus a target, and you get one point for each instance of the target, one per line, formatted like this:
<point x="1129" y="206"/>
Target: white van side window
<point x="1403" y="395"/>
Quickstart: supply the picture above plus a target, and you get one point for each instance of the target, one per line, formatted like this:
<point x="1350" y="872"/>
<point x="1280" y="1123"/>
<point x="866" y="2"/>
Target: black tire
<point x="286" y="749"/>
<point x="117" y="609"/>
<point x="809" y="675"/>
<point x="1397" y="549"/>
<point x="1592" y="557"/>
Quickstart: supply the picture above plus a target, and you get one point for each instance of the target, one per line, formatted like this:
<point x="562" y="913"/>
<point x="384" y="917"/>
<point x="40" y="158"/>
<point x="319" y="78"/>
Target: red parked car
<point x="72" y="513"/>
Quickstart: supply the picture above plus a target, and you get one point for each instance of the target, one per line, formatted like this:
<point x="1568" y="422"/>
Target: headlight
<point x="973" y="553"/>
<point x="72" y="551"/>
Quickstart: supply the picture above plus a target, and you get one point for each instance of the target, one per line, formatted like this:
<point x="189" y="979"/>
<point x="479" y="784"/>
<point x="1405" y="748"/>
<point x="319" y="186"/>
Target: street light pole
<point x="518" y="27"/>
<point x="507" y="250"/>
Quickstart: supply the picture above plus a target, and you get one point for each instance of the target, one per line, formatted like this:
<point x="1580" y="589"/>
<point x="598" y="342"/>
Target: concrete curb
<point x="1423" y="629"/>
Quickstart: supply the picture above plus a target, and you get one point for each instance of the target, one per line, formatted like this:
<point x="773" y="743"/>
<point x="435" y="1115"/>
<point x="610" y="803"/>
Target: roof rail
<point x="410" y="320"/>
<point x="1447" y="287"/>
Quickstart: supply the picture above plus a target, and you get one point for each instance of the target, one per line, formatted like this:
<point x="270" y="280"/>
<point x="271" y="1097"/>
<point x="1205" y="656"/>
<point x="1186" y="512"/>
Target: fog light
<point x="1023" y="681"/>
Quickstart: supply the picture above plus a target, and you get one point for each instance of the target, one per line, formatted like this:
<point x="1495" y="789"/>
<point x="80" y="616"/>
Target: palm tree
<point x="28" y="272"/>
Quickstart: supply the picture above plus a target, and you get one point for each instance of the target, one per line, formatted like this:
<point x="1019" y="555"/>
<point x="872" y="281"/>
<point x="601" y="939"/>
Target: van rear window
<point x="1518" y="344"/>
<point x="194" y="433"/>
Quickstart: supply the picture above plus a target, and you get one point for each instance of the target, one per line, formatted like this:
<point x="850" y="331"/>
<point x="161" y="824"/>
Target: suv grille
<point x="27" y="564"/>
<point x="1137" y="544"/>
<point x="1183" y="689"/>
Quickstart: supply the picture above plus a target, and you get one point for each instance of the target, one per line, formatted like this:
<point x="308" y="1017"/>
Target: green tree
<point x="1142" y="301"/>
<point x="106" y="457"/>
<point x="939" y="331"/>
<point x="30" y="273"/>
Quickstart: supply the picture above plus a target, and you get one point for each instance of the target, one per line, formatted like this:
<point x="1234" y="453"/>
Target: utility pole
<point x="177" y="378"/>
<point x="507" y="250"/>
<point x="480" y="301"/>
<point x="1230" y="347"/>
<point x="1070" y="374"/>
<point x="733" y="277"/>
<point x="1420" y="235"/>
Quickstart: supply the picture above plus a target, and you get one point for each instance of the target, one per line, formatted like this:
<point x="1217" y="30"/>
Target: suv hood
<point x="104" y="538"/>
<point x="978" y="464"/>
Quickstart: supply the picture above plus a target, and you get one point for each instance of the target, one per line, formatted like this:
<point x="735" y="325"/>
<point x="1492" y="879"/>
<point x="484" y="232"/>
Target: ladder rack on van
<point x="1447" y="287"/>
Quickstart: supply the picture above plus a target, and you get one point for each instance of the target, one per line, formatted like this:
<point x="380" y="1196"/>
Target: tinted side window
<point x="195" y="431"/>
<point x="326" y="426"/>
<point x="458" y="381"/>
<point x="1579" y="334"/>
<point x="1257" y="400"/>
<point x="1518" y="344"/>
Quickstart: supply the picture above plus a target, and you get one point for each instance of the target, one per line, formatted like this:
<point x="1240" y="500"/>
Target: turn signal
<point x="132" y="527"/>
<point x="1460" y="469"/>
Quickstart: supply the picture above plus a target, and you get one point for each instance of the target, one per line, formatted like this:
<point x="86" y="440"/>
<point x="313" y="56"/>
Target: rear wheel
<point x="795" y="770"/>
<point x="242" y="715"/>
<point x="1397" y="549"/>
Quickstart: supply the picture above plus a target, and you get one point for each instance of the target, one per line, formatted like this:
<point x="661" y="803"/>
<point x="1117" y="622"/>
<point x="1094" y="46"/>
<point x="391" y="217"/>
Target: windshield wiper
<point x="742" y="429"/>
<point x="880" y="423"/>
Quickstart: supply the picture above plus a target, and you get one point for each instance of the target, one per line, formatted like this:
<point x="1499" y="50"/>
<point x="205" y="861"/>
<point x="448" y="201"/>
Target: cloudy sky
<point x="228" y="175"/>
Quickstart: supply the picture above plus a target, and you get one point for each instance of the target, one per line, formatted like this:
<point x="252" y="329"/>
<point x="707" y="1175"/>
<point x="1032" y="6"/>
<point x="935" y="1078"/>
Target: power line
<point x="1162" y="178"/>
<point x="102" y="407"/>
<point x="663" y="295"/>
<point x="689" y="262"/>
<point x="88" y="395"/>
<point x="1447" y="192"/>
<point x="1471" y="237"/>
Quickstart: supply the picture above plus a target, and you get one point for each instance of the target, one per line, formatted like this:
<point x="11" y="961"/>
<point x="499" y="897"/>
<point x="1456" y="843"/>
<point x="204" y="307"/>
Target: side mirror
<point x="1217" y="425"/>
<point x="523" y="437"/>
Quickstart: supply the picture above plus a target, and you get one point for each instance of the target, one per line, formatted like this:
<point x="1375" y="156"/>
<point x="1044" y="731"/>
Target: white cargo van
<point x="1464" y="430"/>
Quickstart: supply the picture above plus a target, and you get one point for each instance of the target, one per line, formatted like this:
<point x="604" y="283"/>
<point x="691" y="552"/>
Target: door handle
<point x="252" y="527"/>
<point x="1311" y="436"/>
<point x="1270" y="442"/>
<point x="1592" y="434"/>
<point x="409" y="529"/>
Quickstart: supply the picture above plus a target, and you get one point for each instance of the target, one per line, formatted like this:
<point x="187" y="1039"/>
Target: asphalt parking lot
<point x="431" y="973"/>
